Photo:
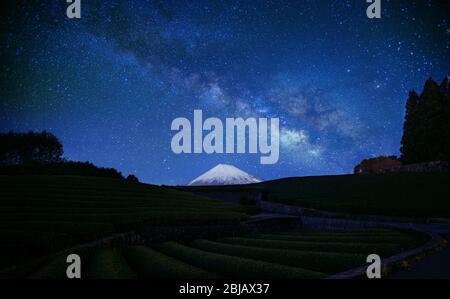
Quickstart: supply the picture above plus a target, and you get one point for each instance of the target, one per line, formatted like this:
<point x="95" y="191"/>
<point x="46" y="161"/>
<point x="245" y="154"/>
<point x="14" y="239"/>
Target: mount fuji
<point x="224" y="174"/>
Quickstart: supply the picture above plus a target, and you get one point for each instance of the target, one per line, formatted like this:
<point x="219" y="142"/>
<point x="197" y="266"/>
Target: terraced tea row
<point x="324" y="262"/>
<point x="206" y="259"/>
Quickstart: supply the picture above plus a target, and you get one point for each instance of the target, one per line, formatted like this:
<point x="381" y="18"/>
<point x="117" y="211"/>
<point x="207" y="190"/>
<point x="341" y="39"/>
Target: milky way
<point x="110" y="84"/>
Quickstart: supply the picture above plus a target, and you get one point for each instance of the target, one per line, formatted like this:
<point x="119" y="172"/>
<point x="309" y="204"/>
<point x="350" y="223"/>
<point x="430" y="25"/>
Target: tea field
<point x="40" y="215"/>
<point x="288" y="255"/>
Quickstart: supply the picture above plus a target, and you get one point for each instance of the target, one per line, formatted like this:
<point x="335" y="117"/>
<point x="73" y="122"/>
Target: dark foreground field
<point x="289" y="255"/>
<point x="421" y="195"/>
<point x="43" y="214"/>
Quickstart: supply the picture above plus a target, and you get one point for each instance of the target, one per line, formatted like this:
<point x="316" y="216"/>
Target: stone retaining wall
<point x="434" y="166"/>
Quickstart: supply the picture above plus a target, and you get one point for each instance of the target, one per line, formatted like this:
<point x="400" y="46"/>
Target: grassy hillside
<point x="394" y="194"/>
<point x="43" y="214"/>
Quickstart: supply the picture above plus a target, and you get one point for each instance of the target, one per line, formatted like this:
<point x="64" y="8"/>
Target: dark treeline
<point x="426" y="132"/>
<point x="61" y="168"/>
<point x="24" y="148"/>
<point x="42" y="153"/>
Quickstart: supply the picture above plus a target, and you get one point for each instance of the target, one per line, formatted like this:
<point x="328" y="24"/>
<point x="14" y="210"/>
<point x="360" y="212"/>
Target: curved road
<point x="435" y="266"/>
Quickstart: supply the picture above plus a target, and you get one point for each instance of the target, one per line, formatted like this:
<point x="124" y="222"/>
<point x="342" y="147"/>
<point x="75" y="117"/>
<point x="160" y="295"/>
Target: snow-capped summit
<point x="224" y="174"/>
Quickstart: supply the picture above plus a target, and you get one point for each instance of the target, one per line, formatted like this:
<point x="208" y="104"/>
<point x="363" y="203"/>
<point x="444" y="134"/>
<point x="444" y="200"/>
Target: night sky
<point x="110" y="84"/>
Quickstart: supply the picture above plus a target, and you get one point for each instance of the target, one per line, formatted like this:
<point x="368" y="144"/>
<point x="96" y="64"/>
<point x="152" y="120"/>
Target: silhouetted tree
<point x="25" y="148"/>
<point x="41" y="153"/>
<point x="132" y="178"/>
<point x="426" y="131"/>
<point x="409" y="146"/>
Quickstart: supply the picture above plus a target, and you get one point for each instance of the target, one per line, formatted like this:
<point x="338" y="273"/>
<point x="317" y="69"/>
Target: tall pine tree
<point x="426" y="131"/>
<point x="408" y="149"/>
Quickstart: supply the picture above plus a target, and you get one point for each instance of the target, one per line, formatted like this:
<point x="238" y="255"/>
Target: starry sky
<point x="110" y="84"/>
